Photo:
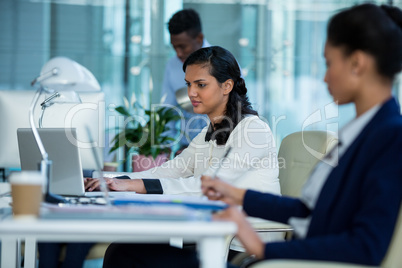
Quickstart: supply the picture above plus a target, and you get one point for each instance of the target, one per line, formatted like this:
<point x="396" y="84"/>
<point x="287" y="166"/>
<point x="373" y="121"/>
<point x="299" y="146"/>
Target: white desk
<point x="209" y="236"/>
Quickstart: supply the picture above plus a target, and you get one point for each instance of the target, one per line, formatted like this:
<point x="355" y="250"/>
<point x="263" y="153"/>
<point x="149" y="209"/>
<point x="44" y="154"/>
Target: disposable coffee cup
<point x="26" y="192"/>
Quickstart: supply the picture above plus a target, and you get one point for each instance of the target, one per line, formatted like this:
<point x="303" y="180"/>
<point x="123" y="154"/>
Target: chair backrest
<point x="393" y="259"/>
<point x="299" y="152"/>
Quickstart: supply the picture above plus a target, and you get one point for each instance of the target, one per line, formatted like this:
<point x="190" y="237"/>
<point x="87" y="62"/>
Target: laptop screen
<point x="61" y="145"/>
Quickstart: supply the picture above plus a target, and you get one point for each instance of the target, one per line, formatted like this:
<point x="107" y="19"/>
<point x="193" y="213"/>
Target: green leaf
<point x="149" y="130"/>
<point x="122" y="110"/>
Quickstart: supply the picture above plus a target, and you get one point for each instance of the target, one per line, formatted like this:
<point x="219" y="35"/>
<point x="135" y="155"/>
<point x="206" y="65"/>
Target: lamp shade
<point x="61" y="74"/>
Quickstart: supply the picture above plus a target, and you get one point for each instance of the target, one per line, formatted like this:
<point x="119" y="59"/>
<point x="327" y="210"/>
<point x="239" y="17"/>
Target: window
<point x="125" y="44"/>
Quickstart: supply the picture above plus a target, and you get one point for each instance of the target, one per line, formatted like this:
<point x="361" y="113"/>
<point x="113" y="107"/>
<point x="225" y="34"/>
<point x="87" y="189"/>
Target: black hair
<point x="186" y="20"/>
<point x="376" y="30"/>
<point x="223" y="66"/>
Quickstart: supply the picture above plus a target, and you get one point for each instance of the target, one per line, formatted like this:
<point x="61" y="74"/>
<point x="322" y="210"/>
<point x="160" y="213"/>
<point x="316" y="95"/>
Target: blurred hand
<point x="91" y="184"/>
<point x="125" y="185"/>
<point x="215" y="189"/>
<point x="231" y="214"/>
<point x="136" y="185"/>
<point x="245" y="232"/>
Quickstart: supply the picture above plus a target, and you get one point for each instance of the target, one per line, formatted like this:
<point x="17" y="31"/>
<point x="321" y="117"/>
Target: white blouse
<point x="252" y="162"/>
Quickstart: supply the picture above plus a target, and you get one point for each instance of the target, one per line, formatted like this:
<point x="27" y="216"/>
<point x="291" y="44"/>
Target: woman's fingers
<point x="108" y="181"/>
<point x="229" y="214"/>
<point x="91" y="184"/>
<point x="212" y="194"/>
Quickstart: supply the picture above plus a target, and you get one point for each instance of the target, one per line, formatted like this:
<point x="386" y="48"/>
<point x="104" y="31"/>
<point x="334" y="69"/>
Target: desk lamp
<point x="58" y="97"/>
<point x="58" y="76"/>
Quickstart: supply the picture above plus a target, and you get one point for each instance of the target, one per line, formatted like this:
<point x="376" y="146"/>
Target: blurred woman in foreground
<point x="349" y="205"/>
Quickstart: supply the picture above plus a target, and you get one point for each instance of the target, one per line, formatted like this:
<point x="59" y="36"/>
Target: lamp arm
<point x="33" y="127"/>
<point x="41" y="117"/>
<point x="44" y="76"/>
<point x="46" y="101"/>
<point x="46" y="164"/>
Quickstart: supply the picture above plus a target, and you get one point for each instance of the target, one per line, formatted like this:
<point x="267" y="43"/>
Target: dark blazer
<point x="356" y="211"/>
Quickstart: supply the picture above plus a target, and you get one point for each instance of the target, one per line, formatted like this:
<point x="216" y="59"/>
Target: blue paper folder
<point x="200" y="203"/>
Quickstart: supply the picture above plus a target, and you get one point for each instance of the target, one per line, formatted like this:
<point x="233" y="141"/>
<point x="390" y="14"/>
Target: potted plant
<point x="144" y="133"/>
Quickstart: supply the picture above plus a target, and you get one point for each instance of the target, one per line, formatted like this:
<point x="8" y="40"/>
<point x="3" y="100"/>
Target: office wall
<point x="24" y="42"/>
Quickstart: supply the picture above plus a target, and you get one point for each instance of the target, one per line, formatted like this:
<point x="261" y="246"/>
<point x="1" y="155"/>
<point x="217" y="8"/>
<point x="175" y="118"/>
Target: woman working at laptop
<point x="215" y="88"/>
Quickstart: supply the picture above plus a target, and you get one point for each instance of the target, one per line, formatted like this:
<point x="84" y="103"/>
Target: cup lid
<point x="26" y="177"/>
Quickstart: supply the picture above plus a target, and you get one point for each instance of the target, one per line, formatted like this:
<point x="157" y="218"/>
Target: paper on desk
<point x="188" y="201"/>
<point x="132" y="212"/>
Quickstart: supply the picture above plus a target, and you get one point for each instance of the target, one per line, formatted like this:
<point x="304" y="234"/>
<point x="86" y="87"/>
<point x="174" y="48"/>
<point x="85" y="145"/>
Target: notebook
<point x="62" y="149"/>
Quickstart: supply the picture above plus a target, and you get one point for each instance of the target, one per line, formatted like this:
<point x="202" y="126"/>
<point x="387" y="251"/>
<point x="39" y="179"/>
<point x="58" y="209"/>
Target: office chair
<point x="301" y="151"/>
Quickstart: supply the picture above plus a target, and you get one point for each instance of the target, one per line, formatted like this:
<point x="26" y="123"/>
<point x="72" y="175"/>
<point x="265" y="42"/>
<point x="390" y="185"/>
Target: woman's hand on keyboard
<point x="91" y="184"/>
<point x="136" y="185"/>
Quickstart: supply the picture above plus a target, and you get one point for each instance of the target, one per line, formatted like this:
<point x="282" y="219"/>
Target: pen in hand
<point x="211" y="193"/>
<point x="219" y="167"/>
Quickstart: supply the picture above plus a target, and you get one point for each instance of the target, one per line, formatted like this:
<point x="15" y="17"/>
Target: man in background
<point x="186" y="37"/>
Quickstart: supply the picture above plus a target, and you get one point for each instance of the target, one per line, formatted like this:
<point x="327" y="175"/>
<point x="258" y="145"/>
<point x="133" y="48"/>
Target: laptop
<point x="61" y="146"/>
<point x="62" y="149"/>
